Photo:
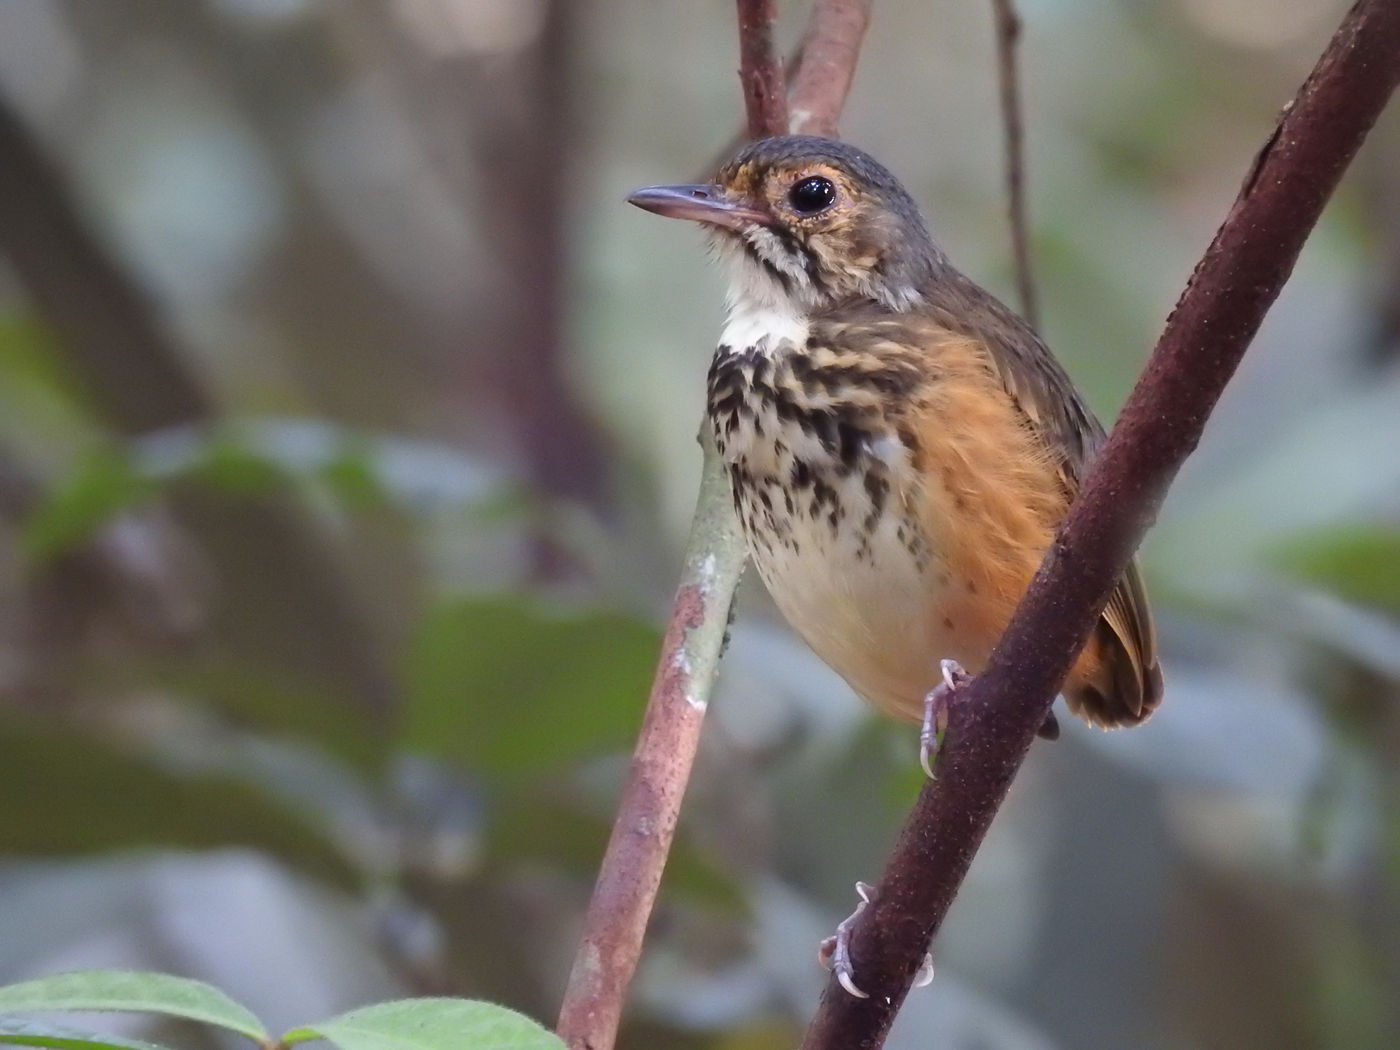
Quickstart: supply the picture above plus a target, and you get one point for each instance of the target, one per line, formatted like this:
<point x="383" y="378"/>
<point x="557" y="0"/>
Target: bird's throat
<point x="764" y="326"/>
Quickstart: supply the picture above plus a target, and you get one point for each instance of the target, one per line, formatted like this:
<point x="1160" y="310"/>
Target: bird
<point x="900" y="445"/>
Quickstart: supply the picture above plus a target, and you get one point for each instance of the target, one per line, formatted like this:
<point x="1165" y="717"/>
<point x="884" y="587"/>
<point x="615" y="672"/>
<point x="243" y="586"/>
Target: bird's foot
<point x="937" y="704"/>
<point x="835" y="951"/>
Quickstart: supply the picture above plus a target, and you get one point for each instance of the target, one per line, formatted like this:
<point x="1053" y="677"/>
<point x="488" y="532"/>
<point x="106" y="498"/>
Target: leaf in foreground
<point x="131" y="991"/>
<point x="430" y="1024"/>
<point x="36" y="1033"/>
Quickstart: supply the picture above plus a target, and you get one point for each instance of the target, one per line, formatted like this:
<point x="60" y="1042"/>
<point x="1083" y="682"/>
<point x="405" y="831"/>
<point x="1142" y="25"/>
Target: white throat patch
<point x="771" y="324"/>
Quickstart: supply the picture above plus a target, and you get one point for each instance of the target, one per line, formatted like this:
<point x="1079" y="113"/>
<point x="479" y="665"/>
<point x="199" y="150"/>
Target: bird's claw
<point x="924" y="976"/>
<point x="835" y="951"/>
<point x="953" y="673"/>
<point x="937" y="704"/>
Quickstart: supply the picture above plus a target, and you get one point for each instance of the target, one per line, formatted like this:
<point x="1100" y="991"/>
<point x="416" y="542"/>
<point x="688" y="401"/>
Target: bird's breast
<point x="825" y="486"/>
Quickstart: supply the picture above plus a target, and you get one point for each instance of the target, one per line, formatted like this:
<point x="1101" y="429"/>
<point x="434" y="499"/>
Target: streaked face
<point x="800" y="246"/>
<point x="807" y="223"/>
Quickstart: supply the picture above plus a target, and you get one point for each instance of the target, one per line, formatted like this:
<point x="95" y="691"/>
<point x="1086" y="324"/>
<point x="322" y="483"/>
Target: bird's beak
<point x="702" y="203"/>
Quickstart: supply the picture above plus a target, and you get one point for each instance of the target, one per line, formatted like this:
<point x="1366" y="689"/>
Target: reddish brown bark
<point x="822" y="79"/>
<point x="641" y="838"/>
<point x="760" y="69"/>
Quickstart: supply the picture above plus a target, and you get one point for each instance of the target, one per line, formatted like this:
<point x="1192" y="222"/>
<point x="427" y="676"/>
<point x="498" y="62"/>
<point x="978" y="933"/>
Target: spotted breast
<point x="826" y="486"/>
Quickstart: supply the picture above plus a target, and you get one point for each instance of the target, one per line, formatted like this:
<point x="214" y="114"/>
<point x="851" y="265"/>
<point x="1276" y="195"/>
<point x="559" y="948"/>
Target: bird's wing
<point x="1032" y="376"/>
<point x="1054" y="409"/>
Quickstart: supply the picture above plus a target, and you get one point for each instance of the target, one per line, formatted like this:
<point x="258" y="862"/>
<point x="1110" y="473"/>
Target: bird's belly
<point x="864" y="588"/>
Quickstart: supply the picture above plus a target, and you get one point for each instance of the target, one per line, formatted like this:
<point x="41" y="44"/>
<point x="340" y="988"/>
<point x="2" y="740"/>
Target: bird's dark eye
<point x="811" y="195"/>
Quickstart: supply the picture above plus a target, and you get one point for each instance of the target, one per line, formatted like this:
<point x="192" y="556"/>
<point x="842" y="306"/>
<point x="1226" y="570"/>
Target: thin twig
<point x="1218" y="314"/>
<point x="829" y="51"/>
<point x="1008" y="27"/>
<point x="760" y="69"/>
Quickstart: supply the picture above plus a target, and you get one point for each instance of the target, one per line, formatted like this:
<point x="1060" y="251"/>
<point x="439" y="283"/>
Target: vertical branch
<point x="641" y="837"/>
<point x="646" y="819"/>
<point x="500" y="130"/>
<point x="760" y="71"/>
<point x="996" y="718"/>
<point x="1008" y="29"/>
<point x="823" y="77"/>
<point x="642" y="832"/>
<point x="523" y="133"/>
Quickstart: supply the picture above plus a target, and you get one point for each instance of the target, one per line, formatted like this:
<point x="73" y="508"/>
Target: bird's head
<point x="808" y="223"/>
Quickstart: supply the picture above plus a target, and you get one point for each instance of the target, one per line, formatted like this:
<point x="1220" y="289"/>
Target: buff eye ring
<point x="812" y="195"/>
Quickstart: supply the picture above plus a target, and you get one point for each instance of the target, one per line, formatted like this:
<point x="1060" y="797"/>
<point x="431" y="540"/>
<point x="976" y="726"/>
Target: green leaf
<point x="37" y="1033"/>
<point x="127" y="990"/>
<point x="1358" y="562"/>
<point x="509" y="686"/>
<point x="430" y="1024"/>
<point x="238" y="469"/>
<point x="351" y="477"/>
<point x="34" y="368"/>
<point x="99" y="488"/>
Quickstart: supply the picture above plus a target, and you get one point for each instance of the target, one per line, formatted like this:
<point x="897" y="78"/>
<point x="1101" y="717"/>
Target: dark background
<point x="347" y="425"/>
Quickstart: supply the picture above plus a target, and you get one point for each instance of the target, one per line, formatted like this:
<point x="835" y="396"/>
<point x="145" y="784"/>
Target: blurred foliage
<point x="536" y="828"/>
<point x="87" y="499"/>
<point x="323" y="688"/>
<point x="541" y="688"/>
<point x="84" y="796"/>
<point x="261" y="698"/>
<point x="30" y="361"/>
<point x="230" y="461"/>
<point x="1357" y="562"/>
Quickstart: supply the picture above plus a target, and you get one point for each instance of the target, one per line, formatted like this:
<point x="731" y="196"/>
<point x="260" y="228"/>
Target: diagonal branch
<point x="1218" y="314"/>
<point x="1008" y="27"/>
